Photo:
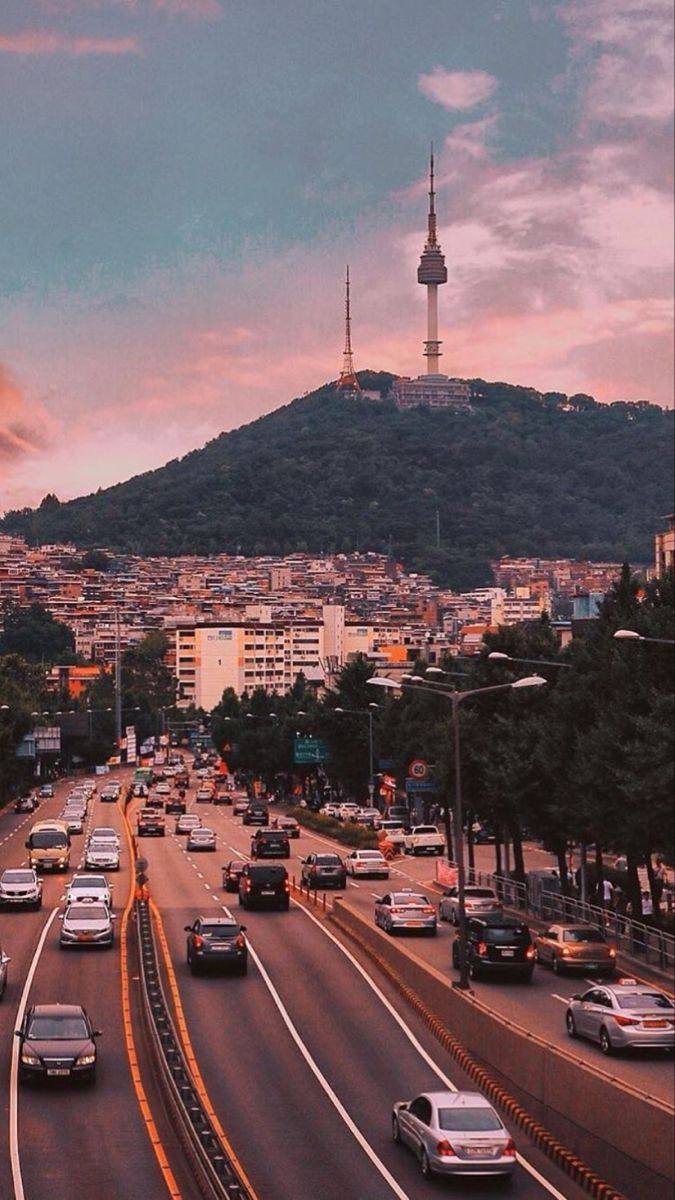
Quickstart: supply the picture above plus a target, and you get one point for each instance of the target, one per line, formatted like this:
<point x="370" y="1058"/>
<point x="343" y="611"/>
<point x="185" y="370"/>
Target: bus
<point x="48" y="846"/>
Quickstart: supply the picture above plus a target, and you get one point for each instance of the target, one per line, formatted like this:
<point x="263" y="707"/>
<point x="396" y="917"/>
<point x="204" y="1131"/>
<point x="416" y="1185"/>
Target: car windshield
<point x="369" y="854"/>
<point x="17" y="877"/>
<point x="505" y="935"/>
<point x="87" y="912"/>
<point x="101" y="844"/>
<point x="643" y="1000"/>
<point x="48" y="840"/>
<point x="102" y="834"/>
<point x="58" y="1029"/>
<point x="328" y="860"/>
<point x="468" y="1119"/>
<point x="219" y="931"/>
<point x="88" y="882"/>
<point x="582" y="935"/>
<point x="474" y="893"/>
<point x="408" y="898"/>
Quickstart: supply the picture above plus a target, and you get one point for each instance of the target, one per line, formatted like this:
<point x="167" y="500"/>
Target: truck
<point x="143" y="775"/>
<point x="424" y="839"/>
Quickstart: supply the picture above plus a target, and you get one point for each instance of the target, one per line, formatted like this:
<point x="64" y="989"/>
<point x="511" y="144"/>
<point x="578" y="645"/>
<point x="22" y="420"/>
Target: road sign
<point x="420" y="785"/>
<point x="308" y="750"/>
<point x="418" y="769"/>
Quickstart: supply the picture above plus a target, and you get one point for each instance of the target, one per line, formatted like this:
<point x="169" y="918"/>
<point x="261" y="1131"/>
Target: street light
<point x="499" y="656"/>
<point x="629" y="635"/>
<point x="456" y="699"/>
<point x="365" y="712"/>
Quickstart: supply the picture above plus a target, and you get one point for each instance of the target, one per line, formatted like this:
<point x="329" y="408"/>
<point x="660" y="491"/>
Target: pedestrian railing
<point x="638" y="939"/>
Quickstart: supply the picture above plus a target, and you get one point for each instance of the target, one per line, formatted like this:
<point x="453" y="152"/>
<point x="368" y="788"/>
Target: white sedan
<point x="367" y="862"/>
<point x="89" y="887"/>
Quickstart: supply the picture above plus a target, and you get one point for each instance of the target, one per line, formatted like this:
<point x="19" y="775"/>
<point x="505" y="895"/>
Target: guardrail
<point x="633" y="938"/>
<point x="216" y="1175"/>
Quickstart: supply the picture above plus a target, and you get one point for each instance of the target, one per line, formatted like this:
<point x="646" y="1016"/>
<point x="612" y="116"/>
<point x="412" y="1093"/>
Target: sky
<point x="184" y="182"/>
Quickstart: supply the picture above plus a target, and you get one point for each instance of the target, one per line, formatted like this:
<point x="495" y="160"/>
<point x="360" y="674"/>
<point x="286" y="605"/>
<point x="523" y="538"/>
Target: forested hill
<point x="523" y="473"/>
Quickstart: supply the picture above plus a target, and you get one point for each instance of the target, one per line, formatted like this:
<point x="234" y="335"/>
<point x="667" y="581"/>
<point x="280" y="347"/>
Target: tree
<point x="32" y="632"/>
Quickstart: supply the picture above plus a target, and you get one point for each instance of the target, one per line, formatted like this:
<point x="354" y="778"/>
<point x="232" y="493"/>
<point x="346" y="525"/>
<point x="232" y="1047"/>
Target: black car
<point x="175" y="804"/>
<point x="216" y="942"/>
<point x="323" y="870"/>
<point x="265" y="885"/>
<point x="231" y="873"/>
<point x="270" y="843"/>
<point x="256" y="814"/>
<point x="497" y="945"/>
<point x="57" y="1040"/>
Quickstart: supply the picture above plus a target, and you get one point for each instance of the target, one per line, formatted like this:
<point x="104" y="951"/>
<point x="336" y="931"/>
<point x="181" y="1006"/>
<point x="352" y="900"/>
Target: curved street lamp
<point x="499" y="656"/>
<point x="456" y="698"/>
<point x="629" y="635"/>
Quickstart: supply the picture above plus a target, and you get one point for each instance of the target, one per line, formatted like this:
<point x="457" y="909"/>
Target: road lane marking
<point x="316" y="1071"/>
<point x="527" y="1166"/>
<point x="15" y="1161"/>
<point x="562" y="999"/>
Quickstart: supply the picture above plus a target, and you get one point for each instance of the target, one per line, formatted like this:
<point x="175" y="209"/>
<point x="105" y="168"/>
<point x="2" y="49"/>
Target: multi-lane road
<point x="302" y="1058"/>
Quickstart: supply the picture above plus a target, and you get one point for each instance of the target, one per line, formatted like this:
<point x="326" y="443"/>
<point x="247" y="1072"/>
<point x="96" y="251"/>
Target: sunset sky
<point x="183" y="182"/>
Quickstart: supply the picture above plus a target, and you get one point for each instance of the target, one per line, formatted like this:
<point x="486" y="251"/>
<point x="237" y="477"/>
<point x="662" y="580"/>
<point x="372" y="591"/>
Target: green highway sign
<point x="308" y="750"/>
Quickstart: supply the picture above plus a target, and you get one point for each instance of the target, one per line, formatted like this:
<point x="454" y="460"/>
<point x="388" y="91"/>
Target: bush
<point x="348" y="834"/>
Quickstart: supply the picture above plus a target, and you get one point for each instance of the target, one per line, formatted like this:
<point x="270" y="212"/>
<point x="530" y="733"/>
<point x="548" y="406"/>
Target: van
<point x="48" y="846"/>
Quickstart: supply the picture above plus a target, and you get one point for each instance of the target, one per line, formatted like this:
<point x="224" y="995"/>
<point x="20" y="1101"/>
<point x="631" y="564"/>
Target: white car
<point x="347" y="811"/>
<point x="329" y="810"/>
<point x="367" y="862"/>
<point x="102" y="856"/>
<point x="104" y="834"/>
<point x="201" y="838"/>
<point x="20" y="887"/>
<point x="477" y="902"/>
<point x="89" y="887"/>
<point x="393" y="832"/>
<point x="163" y="789"/>
<point x="370" y="817"/>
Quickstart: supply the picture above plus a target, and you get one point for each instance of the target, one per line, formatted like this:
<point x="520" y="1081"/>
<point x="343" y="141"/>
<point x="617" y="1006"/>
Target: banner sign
<point x="131" y="743"/>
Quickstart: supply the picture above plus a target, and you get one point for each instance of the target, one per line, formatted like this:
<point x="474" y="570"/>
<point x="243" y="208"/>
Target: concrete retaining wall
<point x="625" y="1137"/>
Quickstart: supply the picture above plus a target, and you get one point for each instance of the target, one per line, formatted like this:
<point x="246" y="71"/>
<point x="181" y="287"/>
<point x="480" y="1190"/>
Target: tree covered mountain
<point x="523" y="473"/>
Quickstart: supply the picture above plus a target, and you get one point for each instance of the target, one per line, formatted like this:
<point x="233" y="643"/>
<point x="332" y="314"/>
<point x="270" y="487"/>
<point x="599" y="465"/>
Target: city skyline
<point x="170" y="276"/>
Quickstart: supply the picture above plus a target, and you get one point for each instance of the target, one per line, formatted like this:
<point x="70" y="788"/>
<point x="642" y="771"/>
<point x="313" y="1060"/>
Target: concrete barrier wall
<point x="615" y="1129"/>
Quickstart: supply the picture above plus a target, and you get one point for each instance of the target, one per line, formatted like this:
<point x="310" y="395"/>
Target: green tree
<point x="32" y="632"/>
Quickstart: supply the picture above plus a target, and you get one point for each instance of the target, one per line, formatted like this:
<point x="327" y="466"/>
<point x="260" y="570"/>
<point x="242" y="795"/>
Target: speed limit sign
<point x="417" y="769"/>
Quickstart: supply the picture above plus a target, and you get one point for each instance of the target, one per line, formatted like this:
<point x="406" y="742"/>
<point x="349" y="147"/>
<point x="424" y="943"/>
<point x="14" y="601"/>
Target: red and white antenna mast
<point x="348" y="381"/>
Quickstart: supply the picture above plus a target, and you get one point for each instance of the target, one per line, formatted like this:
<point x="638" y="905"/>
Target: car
<point x="25" y="804"/>
<point x="204" y="795"/>
<point x="370" y="817"/>
<point x="187" y="822"/>
<point x="256" y="814"/>
<point x="323" y="870"/>
<point x="140" y="791"/>
<point x="46" y="791"/>
<point x="625" y="1015"/>
<point x="454" y="1133"/>
<point x="57" y="1040"/>
<point x="405" y="911"/>
<point x="216" y="942"/>
<point x="477" y="901"/>
<point x="109" y="794"/>
<point x="367" y="862"/>
<point x="575" y="947"/>
<point x="399" y="812"/>
<point x="20" y="887"/>
<point x="347" y="811"/>
<point x="424" y="839"/>
<point x="329" y="810"/>
<point x="231" y="873"/>
<point x="4" y="962"/>
<point x="163" y="789"/>
<point x="101" y="856"/>
<point x="89" y="887"/>
<point x="484" y="836"/>
<point x="497" y="945"/>
<point x="74" y="820"/>
<point x="270" y="843"/>
<point x="264" y="885"/>
<point x="239" y="808"/>
<point x="104" y="833"/>
<point x="393" y="832"/>
<point x="150" y="823"/>
<point x="86" y="923"/>
<point x="289" y="826"/>
<point x="201" y="838"/>
<point x="176" y="804"/>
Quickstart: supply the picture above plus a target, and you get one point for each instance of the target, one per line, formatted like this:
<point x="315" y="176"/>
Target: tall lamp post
<point x="456" y="699"/>
<point x="629" y="635"/>
<point x="365" y="712"/>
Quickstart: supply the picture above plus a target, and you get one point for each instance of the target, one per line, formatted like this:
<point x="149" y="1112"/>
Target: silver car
<point x="89" y="887"/>
<point x="405" y="911"/>
<point x="454" y="1133"/>
<point x="4" y="959"/>
<point x="103" y="833"/>
<point x="477" y="902"/>
<point x="20" y="887"/>
<point x="626" y="1015"/>
<point x="101" y="856"/>
<point x="201" y="839"/>
<point x="86" y="923"/>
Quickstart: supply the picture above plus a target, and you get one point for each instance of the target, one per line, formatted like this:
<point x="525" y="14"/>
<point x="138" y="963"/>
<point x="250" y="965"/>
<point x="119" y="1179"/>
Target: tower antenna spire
<point x="348" y="381"/>
<point x="431" y="272"/>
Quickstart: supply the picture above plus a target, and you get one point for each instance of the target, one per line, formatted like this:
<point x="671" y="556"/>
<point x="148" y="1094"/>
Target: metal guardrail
<point x="217" y="1176"/>
<point x="635" y="939"/>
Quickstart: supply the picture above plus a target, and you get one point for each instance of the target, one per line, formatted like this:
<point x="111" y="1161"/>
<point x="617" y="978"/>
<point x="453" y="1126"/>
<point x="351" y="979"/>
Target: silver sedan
<point x="623" y="1016"/>
<point x="86" y="923"/>
<point x="454" y="1133"/>
<point x="405" y="911"/>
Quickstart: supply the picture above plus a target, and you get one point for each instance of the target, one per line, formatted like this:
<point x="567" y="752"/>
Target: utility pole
<point x="118" y="684"/>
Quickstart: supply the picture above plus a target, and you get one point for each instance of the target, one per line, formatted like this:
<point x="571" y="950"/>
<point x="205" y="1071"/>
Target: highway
<point x="302" y="1058"/>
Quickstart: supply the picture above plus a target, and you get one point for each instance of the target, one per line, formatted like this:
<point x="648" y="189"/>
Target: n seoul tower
<point x="432" y="271"/>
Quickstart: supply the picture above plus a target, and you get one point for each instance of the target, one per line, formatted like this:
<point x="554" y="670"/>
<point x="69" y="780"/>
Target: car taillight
<point x="428" y="910"/>
<point x="529" y="953"/>
<point x="398" y="911"/>
<point x="565" y="952"/>
<point x="625" y="1020"/>
<point x="612" y="952"/>
<point x="287" y="886"/>
<point x="240" y="940"/>
<point x="510" y="1149"/>
<point x="199" y="942"/>
<point x="482" y="948"/>
<point x="247" y="885"/>
<point x="444" y="1149"/>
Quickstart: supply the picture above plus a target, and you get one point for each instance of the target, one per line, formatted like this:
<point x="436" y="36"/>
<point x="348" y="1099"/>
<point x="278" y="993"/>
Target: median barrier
<point x="619" y="1132"/>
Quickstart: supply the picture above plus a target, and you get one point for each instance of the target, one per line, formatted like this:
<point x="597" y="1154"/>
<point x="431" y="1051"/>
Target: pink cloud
<point x="195" y="9"/>
<point x="42" y="43"/>
<point x="457" y="89"/>
<point x="20" y="429"/>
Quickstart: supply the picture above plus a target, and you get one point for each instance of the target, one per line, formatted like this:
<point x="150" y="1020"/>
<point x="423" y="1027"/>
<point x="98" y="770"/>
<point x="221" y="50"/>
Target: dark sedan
<point x="231" y="875"/>
<point x="57" y="1040"/>
<point x="323" y="870"/>
<point x="216" y="942"/>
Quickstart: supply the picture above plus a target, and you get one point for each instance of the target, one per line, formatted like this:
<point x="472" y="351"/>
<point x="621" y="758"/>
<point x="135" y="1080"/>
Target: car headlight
<point x="30" y="1060"/>
<point x="85" y="1060"/>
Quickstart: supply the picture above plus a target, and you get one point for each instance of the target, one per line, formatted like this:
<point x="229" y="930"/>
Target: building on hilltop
<point x="433" y="389"/>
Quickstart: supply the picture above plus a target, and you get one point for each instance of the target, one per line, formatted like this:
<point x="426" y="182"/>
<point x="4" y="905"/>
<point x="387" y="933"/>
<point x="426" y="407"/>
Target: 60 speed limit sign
<point x="418" y="769"/>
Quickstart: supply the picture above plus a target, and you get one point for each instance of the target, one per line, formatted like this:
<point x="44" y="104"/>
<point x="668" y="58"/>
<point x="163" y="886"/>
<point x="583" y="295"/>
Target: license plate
<point x="654" y="1024"/>
<point x="479" y="1151"/>
<point x="508" y="953"/>
<point x="267" y="892"/>
<point x="58" y="1071"/>
<point x="85" y="937"/>
<point x="415" y="923"/>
